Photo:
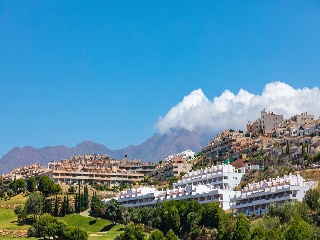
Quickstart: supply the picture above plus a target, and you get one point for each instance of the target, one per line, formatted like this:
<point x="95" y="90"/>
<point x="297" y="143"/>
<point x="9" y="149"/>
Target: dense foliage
<point x="48" y="226"/>
<point x="38" y="209"/>
<point x="191" y="220"/>
<point x="47" y="186"/>
<point x="31" y="184"/>
<point x="82" y="200"/>
<point x="17" y="185"/>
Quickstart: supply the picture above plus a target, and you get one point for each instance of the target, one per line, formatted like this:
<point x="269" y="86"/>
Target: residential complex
<point x="216" y="184"/>
<point x="223" y="176"/>
<point x="172" y="167"/>
<point x="211" y="184"/>
<point x="231" y="145"/>
<point x="256" y="197"/>
<point x="149" y="196"/>
<point x="86" y="169"/>
<point x="99" y="169"/>
<point x="35" y="170"/>
<point x="271" y="134"/>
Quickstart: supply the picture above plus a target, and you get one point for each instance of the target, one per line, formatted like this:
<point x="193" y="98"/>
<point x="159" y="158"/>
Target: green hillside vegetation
<point x="8" y="220"/>
<point x="193" y="221"/>
<point x="187" y="220"/>
<point x="30" y="214"/>
<point x="17" y="199"/>
<point x="97" y="229"/>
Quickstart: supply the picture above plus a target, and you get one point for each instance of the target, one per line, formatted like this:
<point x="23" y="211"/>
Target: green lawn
<point x="98" y="228"/>
<point x="8" y="220"/>
<point x="18" y="199"/>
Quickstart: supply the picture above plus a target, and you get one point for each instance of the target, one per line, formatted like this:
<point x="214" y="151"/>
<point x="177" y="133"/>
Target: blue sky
<point x="107" y="70"/>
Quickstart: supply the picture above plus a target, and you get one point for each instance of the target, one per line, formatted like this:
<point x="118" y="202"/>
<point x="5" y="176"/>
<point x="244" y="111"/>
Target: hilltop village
<point x="242" y="172"/>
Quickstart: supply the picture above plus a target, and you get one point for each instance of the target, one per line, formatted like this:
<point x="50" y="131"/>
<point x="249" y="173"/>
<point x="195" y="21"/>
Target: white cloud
<point x="231" y="110"/>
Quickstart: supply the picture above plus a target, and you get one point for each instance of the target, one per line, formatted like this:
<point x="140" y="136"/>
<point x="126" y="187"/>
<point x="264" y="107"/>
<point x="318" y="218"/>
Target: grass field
<point x="18" y="199"/>
<point x="98" y="228"/>
<point x="8" y="220"/>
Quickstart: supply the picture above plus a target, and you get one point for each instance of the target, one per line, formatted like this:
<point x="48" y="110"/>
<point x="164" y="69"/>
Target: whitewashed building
<point x="216" y="184"/>
<point x="206" y="185"/>
<point x="223" y="176"/>
<point x="149" y="196"/>
<point x="256" y="197"/>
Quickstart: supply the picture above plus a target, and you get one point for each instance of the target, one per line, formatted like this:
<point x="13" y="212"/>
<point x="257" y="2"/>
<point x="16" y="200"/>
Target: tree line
<point x="191" y="220"/>
<point x="45" y="185"/>
<point x="41" y="210"/>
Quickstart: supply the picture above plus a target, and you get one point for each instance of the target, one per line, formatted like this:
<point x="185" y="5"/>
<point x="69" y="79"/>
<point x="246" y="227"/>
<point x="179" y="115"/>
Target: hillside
<point x="153" y="149"/>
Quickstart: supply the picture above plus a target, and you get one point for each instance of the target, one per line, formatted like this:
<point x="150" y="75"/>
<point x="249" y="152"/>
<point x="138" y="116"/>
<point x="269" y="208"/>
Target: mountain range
<point x="156" y="148"/>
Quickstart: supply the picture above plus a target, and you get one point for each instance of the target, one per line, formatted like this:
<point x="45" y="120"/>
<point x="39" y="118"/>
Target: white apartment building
<point x="149" y="196"/>
<point x="215" y="183"/>
<point x="185" y="155"/>
<point x="223" y="176"/>
<point x="256" y="197"/>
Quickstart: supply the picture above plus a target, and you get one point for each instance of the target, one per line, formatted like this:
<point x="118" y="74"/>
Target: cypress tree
<point x="86" y="197"/>
<point x="76" y="203"/>
<point x="68" y="210"/>
<point x="47" y="206"/>
<point x="81" y="202"/>
<point x="79" y="198"/>
<point x="63" y="210"/>
<point x="56" y="207"/>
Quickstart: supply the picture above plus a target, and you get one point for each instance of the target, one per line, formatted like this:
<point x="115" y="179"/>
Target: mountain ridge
<point x="155" y="148"/>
